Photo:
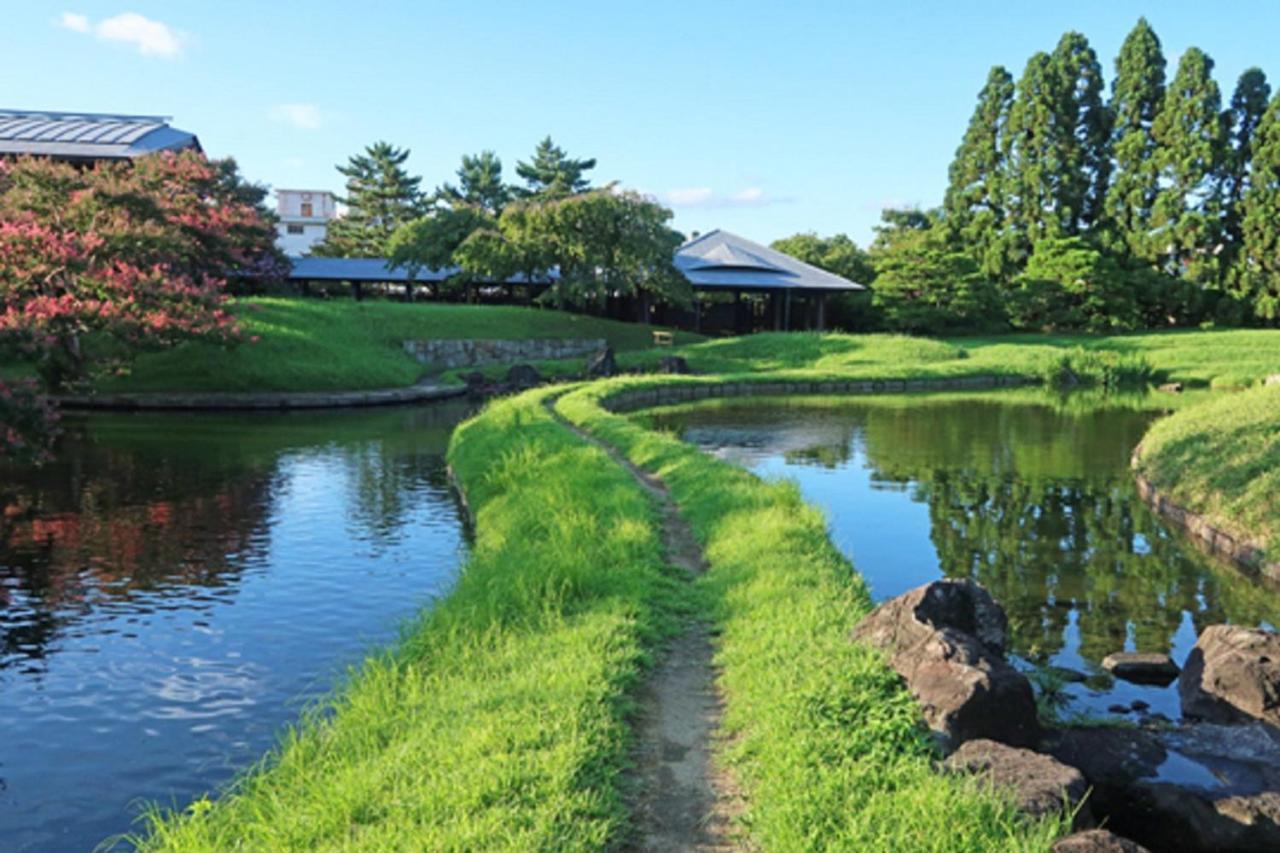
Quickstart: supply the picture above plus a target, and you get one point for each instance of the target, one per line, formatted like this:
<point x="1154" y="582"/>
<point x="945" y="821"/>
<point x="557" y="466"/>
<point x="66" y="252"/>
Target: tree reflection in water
<point x="1028" y="494"/>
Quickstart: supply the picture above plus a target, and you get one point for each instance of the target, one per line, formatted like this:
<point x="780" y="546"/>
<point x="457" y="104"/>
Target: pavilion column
<point x="822" y="312"/>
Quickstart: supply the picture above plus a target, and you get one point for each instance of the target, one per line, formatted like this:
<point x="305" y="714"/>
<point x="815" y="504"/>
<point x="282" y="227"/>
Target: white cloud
<point x="149" y="37"/>
<point x="707" y="197"/>
<point x="75" y="23"/>
<point x="301" y="116"/>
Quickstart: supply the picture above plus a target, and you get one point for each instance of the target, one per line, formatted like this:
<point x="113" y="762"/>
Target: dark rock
<point x="1139" y="706"/>
<point x="475" y="380"/>
<point x="672" y="364"/>
<point x="946" y="640"/>
<point x="1141" y="667"/>
<point x="1118" y="709"/>
<point x="1096" y="841"/>
<point x="1065" y="673"/>
<point x="1041" y="785"/>
<point x="1176" y="818"/>
<point x="1108" y="756"/>
<point x="523" y="376"/>
<point x="1233" y="675"/>
<point x="602" y="364"/>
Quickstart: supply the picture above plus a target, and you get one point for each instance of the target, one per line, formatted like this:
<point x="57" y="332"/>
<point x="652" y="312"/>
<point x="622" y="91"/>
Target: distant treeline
<point x="1155" y="207"/>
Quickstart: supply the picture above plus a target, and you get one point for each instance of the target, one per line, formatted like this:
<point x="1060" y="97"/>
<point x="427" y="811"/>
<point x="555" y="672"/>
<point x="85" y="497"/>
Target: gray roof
<point x="88" y="136"/>
<point x="313" y="268"/>
<point x="721" y="259"/>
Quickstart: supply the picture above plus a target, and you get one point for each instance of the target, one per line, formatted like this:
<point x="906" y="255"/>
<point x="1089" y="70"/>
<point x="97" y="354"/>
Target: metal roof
<point x="721" y="259"/>
<point x="88" y="136"/>
<point x="313" y="268"/>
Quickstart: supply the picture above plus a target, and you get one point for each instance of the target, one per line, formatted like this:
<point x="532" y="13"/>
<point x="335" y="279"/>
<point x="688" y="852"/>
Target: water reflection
<point x="172" y="589"/>
<point x="1033" y="500"/>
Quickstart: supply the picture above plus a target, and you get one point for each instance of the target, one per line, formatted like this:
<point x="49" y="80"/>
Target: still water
<point x="1027" y="494"/>
<point x="174" y="590"/>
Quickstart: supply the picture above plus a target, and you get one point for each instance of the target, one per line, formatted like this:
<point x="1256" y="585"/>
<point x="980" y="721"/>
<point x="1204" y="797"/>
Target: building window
<point x="297" y="229"/>
<point x="306" y="209"/>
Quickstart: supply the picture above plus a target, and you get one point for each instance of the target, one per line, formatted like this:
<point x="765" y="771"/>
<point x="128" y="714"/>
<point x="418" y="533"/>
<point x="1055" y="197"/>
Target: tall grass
<point x="825" y="739"/>
<point x="498" y="722"/>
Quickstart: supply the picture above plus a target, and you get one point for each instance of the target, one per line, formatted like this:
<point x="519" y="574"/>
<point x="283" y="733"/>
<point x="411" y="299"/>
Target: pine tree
<point x="479" y="184"/>
<point x="1136" y="96"/>
<point x="1260" y="221"/>
<point x="380" y="196"/>
<point x="1247" y="107"/>
<point x="551" y="173"/>
<point x="1032" y="151"/>
<point x="975" y="203"/>
<point x="1188" y="131"/>
<point x="1082" y="128"/>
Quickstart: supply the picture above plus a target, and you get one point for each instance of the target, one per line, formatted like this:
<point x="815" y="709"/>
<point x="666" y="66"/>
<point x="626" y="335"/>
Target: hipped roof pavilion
<point x="88" y="137"/>
<point x="720" y="260"/>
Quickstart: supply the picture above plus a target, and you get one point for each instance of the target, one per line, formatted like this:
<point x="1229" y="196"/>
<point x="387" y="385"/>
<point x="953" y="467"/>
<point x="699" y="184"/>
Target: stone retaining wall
<point x="261" y="401"/>
<point x="1215" y="541"/>
<point x="450" y="354"/>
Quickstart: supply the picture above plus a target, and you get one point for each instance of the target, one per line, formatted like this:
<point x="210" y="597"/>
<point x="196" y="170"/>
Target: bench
<point x="663" y="338"/>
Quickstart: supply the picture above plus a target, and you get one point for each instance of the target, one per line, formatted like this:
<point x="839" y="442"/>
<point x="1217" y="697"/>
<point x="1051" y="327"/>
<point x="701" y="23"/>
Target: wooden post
<point x="359" y="290"/>
<point x="786" y="312"/>
<point x="822" y="312"/>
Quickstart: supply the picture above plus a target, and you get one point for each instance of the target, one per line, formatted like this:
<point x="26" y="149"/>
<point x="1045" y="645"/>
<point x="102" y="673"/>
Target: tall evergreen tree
<point x="1260" y="222"/>
<point x="1189" y="137"/>
<point x="1082" y="128"/>
<point x="381" y="195"/>
<point x="1248" y="104"/>
<point x="479" y="184"/>
<point x="975" y="202"/>
<point x="1033" y="151"/>
<point x="552" y="173"/>
<point x="1136" y="96"/>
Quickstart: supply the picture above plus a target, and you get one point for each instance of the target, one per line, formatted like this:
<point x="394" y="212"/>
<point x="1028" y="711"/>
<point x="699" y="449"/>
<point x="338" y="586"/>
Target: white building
<point x="304" y="219"/>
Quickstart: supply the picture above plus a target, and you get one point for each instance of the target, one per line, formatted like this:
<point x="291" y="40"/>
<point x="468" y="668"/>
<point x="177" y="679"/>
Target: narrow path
<point x="682" y="800"/>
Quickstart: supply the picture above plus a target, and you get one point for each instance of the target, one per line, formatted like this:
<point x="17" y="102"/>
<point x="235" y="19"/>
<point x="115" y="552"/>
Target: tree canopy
<point x="551" y="173"/>
<point x="380" y="196"/>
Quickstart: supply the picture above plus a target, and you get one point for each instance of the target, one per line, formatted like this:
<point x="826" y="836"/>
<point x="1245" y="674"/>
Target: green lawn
<point x="314" y="345"/>
<point x="1222" y="459"/>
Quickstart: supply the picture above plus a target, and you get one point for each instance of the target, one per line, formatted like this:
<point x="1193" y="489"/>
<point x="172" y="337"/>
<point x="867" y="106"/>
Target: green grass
<point x="498" y="722"/>
<point x="826" y="741"/>
<point x="314" y="345"/>
<point x="1221" y="459"/>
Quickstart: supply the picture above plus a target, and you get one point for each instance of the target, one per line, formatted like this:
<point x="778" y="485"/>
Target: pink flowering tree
<point x="99" y="264"/>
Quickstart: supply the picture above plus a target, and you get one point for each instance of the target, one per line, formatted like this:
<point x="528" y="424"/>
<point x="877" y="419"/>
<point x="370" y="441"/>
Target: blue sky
<point x="763" y="118"/>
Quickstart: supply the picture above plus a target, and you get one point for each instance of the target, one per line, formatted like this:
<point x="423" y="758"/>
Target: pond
<point x="1028" y="494"/>
<point x="174" y="590"/>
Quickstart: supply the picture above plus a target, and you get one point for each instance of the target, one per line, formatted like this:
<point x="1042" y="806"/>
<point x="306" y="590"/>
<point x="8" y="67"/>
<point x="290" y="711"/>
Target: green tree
<point x="1082" y="128"/>
<point x="479" y="184"/>
<point x="429" y="242"/>
<point x="923" y="285"/>
<point x="1033" y="151"/>
<point x="1068" y="284"/>
<point x="975" y="201"/>
<point x="1185" y="221"/>
<point x="1259" y="274"/>
<point x="1248" y="104"/>
<point x="1136" y="96"/>
<point x="380" y="196"/>
<point x="552" y="173"/>
<point x="852" y="312"/>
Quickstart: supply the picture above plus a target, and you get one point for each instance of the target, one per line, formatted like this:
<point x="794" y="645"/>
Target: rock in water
<point x="602" y="364"/>
<point x="1096" y="841"/>
<point x="1233" y="675"/>
<point x="1041" y="785"/>
<point x="1141" y="667"/>
<point x="946" y="639"/>
<point x="523" y="376"/>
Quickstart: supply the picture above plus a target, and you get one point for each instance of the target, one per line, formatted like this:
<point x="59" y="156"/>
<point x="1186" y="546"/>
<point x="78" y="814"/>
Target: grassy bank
<point x="498" y="721"/>
<point x="314" y="345"/>
<point x="825" y="739"/>
<point x="1221" y="460"/>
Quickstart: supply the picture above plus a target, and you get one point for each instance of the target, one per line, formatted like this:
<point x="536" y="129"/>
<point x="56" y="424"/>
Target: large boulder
<point x="946" y="639"/>
<point x="1096" y="841"/>
<point x="522" y="376"/>
<point x="1040" y="785"/>
<point x="601" y="364"/>
<point x="1233" y="675"/>
<point x="673" y="364"/>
